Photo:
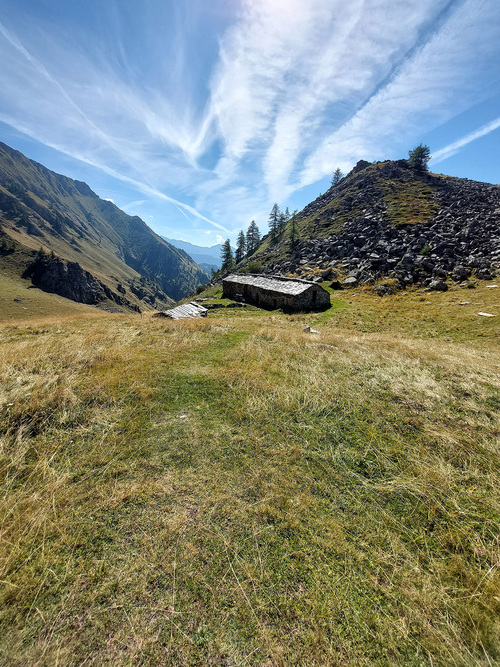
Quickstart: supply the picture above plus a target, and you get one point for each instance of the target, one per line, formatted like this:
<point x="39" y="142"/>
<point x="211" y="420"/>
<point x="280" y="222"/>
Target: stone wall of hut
<point x="315" y="298"/>
<point x="275" y="299"/>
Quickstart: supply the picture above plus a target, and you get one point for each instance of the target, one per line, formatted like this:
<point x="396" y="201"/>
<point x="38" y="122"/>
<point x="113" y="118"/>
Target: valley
<point x="52" y="226"/>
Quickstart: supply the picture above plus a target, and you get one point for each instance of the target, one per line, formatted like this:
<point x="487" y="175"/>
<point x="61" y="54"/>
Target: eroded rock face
<point x="69" y="280"/>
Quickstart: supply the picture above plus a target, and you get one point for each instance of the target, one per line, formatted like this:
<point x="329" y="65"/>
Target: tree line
<point x="247" y="243"/>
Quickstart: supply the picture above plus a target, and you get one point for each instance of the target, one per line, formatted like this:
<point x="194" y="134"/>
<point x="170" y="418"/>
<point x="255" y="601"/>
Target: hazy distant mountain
<point x="42" y="209"/>
<point x="203" y="256"/>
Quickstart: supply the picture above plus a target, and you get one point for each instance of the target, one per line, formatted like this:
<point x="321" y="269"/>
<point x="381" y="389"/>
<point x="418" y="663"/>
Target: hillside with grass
<point x="43" y="210"/>
<point x="387" y="220"/>
<point x="250" y="494"/>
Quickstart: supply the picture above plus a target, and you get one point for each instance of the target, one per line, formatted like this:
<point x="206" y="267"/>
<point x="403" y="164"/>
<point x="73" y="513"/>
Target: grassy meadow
<point x="235" y="491"/>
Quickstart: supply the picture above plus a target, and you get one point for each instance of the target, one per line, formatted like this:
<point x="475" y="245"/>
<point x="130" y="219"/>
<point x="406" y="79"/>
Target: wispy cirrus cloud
<point x="290" y="71"/>
<point x="439" y="80"/>
<point x="299" y="92"/>
<point x="138" y="186"/>
<point x="453" y="148"/>
<point x="220" y="114"/>
<point x="96" y="117"/>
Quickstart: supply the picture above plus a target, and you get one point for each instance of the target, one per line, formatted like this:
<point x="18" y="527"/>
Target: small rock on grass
<point x="308" y="329"/>
<point x="438" y="285"/>
<point x="351" y="281"/>
<point x="486" y="315"/>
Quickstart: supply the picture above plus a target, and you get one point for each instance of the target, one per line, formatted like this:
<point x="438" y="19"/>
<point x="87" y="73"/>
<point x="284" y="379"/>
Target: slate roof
<point x="191" y="309"/>
<point x="283" y="285"/>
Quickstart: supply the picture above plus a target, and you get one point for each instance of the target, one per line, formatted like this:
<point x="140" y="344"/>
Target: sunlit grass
<point x="236" y="491"/>
<point x="409" y="202"/>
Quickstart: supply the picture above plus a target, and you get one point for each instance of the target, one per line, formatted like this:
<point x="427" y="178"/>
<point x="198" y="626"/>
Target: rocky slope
<point x="42" y="209"/>
<point x="386" y="220"/>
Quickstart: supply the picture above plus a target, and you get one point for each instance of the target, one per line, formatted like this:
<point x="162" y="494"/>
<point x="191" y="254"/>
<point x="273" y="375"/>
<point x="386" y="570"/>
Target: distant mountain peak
<point x="202" y="255"/>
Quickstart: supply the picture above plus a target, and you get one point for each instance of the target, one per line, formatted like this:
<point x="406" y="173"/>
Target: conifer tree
<point x="227" y="256"/>
<point x="419" y="157"/>
<point x="337" y="176"/>
<point x="253" y="238"/>
<point x="282" y="222"/>
<point x="274" y="220"/>
<point x="241" y="246"/>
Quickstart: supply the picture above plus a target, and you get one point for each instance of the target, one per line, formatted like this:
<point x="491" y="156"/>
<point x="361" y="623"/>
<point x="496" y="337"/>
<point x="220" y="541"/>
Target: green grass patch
<point x="246" y="493"/>
<point x="409" y="202"/>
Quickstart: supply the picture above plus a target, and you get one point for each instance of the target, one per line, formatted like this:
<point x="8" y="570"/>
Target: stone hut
<point x="191" y="309"/>
<point x="289" y="294"/>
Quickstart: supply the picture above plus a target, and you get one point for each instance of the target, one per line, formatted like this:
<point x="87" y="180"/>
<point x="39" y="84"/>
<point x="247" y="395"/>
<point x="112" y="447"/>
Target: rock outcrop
<point x="69" y="280"/>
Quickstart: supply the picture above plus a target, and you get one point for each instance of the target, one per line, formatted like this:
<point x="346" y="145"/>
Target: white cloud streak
<point x="453" y="148"/>
<point x="437" y="82"/>
<point x="286" y="65"/>
<point x="137" y="185"/>
<point x="133" y="135"/>
<point x="378" y="75"/>
<point x="297" y="89"/>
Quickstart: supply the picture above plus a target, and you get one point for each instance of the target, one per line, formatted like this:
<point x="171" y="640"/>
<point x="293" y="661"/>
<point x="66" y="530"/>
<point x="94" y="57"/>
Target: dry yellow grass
<point x="235" y="491"/>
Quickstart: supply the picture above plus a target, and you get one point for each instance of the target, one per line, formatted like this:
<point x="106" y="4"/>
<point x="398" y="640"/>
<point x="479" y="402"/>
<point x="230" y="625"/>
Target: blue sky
<point x="198" y="115"/>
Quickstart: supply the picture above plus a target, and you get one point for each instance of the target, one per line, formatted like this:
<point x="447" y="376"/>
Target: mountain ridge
<point x="204" y="256"/>
<point x="42" y="209"/>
